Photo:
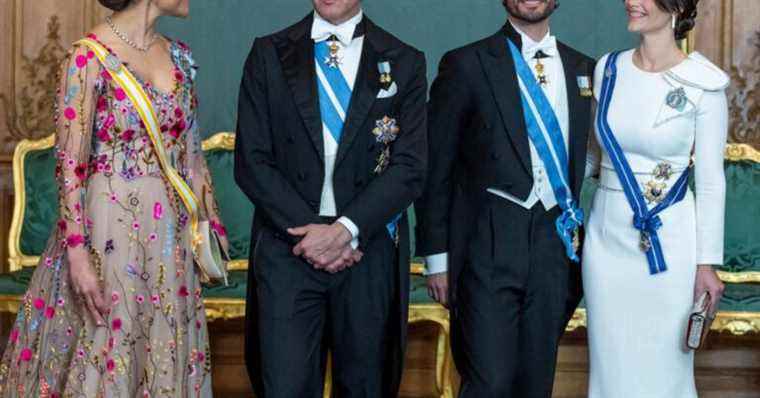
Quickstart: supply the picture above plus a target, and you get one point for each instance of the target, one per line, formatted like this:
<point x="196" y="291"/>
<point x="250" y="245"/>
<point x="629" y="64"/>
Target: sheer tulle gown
<point x="115" y="203"/>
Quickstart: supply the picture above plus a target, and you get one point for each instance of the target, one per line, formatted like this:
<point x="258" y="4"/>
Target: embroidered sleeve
<point x="202" y="184"/>
<point x="76" y="104"/>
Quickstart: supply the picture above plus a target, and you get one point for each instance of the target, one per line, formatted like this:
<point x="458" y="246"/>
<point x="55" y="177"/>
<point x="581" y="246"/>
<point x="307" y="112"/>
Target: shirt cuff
<point x="353" y="229"/>
<point x="437" y="264"/>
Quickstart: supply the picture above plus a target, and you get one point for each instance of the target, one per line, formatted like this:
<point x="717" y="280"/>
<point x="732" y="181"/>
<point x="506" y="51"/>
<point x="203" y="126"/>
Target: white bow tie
<point x="548" y="46"/>
<point x="321" y="30"/>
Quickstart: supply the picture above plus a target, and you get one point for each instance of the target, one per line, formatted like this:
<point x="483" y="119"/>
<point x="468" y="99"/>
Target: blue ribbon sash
<point x="646" y="220"/>
<point x="337" y="90"/>
<point x="545" y="133"/>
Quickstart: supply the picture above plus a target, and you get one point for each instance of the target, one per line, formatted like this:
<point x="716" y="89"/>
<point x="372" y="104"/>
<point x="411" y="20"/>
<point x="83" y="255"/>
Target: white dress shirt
<point x="556" y="93"/>
<point x="350" y="56"/>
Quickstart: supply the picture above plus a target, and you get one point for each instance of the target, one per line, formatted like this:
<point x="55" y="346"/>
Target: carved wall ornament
<point x="29" y="113"/>
<point x="744" y="100"/>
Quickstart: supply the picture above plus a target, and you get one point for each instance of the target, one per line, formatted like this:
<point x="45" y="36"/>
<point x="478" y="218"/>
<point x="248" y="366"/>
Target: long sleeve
<point x="76" y="104"/>
<point x="710" y="181"/>
<point x="256" y="171"/>
<point x="446" y="118"/>
<point x="403" y="180"/>
<point x="202" y="185"/>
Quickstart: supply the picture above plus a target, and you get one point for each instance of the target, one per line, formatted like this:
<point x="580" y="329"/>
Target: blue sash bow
<point x="546" y="135"/>
<point x="647" y="221"/>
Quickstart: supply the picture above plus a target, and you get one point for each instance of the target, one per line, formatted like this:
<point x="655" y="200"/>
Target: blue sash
<point x="645" y="220"/>
<point x="336" y="89"/>
<point x="546" y="135"/>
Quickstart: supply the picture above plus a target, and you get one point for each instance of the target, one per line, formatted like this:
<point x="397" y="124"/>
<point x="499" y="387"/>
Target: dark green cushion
<point x="742" y="248"/>
<point x="235" y="208"/>
<point x="14" y="284"/>
<point x="418" y="293"/>
<point x="41" y="209"/>
<point x="741" y="297"/>
<point x="742" y="209"/>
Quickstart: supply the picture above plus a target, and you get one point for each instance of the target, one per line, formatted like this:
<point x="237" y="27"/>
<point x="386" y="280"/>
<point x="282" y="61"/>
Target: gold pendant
<point x="541" y="73"/>
<point x="333" y="60"/>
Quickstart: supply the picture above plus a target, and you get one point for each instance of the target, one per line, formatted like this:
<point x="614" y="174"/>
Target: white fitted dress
<point x="637" y="321"/>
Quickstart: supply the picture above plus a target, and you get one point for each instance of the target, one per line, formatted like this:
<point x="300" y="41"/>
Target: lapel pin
<point x="385" y="74"/>
<point x="584" y="84"/>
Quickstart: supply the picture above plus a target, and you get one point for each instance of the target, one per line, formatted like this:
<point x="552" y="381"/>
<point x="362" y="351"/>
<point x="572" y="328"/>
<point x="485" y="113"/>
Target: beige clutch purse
<point x="210" y="255"/>
<point x="699" y="322"/>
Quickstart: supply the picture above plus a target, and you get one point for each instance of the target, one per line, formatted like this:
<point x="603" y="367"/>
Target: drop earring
<point x="673" y="22"/>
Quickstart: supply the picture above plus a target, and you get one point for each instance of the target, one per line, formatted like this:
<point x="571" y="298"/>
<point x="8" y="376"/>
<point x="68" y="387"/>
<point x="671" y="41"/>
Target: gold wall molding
<point x="744" y="99"/>
<point x="30" y="114"/>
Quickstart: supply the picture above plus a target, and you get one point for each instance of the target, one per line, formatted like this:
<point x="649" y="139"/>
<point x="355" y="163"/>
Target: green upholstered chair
<point x="35" y="212"/>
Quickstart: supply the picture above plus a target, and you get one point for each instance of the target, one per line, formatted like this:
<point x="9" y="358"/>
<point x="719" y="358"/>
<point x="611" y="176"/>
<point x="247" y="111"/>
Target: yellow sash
<point x="141" y="102"/>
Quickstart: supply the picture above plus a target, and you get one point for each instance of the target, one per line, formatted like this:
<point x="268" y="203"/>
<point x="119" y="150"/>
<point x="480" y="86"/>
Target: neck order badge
<point x="546" y="135"/>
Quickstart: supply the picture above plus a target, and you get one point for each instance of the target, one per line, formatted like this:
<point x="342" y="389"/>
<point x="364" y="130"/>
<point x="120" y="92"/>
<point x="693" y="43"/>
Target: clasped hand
<point x="326" y="247"/>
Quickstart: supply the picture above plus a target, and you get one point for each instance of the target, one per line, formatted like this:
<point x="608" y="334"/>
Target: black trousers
<point x="515" y="293"/>
<point x="303" y="313"/>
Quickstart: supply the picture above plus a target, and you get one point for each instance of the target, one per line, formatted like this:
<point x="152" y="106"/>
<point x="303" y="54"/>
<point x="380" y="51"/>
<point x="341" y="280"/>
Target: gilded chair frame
<point x="736" y="323"/>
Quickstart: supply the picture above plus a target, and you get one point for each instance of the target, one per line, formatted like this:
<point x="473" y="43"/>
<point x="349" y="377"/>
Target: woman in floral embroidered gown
<point x="114" y="309"/>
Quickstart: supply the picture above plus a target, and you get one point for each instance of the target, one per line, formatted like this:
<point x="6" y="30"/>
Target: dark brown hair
<point x="686" y="14"/>
<point x="116" y="5"/>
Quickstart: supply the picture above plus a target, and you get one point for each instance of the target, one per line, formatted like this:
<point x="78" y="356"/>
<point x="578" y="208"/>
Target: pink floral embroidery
<point x="69" y="113"/>
<point x="103" y="135"/>
<point x="74" y="240"/>
<point x="218" y="228"/>
<point x="116" y="324"/>
<point x="153" y="237"/>
<point x="128" y="135"/>
<point x="90" y="55"/>
<point x="110" y="365"/>
<point x="14" y="336"/>
<point x="62" y="225"/>
<point x="26" y="355"/>
<point x="140" y="299"/>
<point x="81" y="61"/>
<point x="183" y="291"/>
<point x="158" y="211"/>
<point x="81" y="171"/>
<point x="201" y="357"/>
<point x="135" y="225"/>
<point x="49" y="312"/>
<point x="119" y="94"/>
<point x="39" y="303"/>
<point x="102" y="104"/>
<point x="115" y="297"/>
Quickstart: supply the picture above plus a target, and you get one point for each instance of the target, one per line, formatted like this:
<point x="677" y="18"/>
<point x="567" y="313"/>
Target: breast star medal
<point x="385" y="132"/>
<point x="654" y="191"/>
<point x="334" y="59"/>
<point x="676" y="99"/>
<point x="663" y="171"/>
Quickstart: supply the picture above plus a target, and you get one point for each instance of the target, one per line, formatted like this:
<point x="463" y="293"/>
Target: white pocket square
<point x="390" y="92"/>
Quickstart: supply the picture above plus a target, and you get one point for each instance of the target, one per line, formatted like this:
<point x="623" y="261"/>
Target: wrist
<point x="344" y="235"/>
<point x="705" y="267"/>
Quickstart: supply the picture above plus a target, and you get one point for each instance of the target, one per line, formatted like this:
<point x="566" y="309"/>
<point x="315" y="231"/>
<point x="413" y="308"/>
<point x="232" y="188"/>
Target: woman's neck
<point x="138" y="22"/>
<point x="658" y="51"/>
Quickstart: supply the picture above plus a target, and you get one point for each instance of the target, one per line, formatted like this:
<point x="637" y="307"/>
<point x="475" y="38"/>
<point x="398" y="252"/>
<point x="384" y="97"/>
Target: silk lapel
<point x="578" y="113"/>
<point x="297" y="60"/>
<point x="366" y="88"/>
<point x="499" y="67"/>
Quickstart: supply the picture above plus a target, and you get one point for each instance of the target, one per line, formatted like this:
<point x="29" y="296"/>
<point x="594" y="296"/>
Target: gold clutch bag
<point x="699" y="322"/>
